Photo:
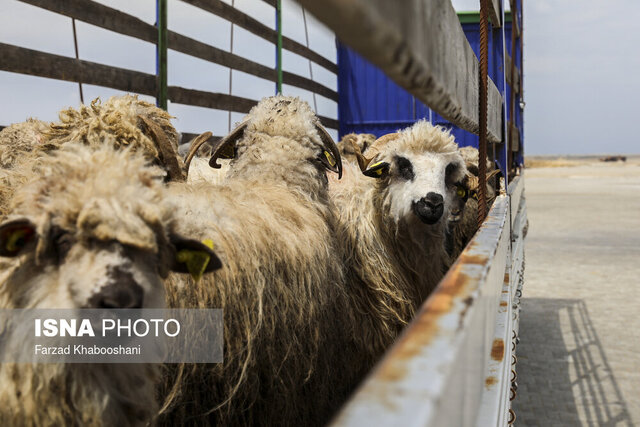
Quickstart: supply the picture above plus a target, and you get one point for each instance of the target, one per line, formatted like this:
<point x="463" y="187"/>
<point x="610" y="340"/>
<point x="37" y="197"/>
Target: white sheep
<point x="287" y="317"/>
<point x="125" y="121"/>
<point x="392" y="210"/>
<point x="90" y="228"/>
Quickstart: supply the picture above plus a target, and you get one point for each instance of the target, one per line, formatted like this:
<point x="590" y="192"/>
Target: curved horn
<point x="168" y="155"/>
<point x="372" y="150"/>
<point x="330" y="145"/>
<point x="225" y="147"/>
<point x="197" y="142"/>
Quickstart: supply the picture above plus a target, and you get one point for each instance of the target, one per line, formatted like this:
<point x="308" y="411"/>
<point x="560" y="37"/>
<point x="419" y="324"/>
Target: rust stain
<point x="497" y="349"/>
<point x="489" y="381"/>
<point x="473" y="259"/>
<point x="506" y="278"/>
<point x="424" y="326"/>
<point x="503" y="303"/>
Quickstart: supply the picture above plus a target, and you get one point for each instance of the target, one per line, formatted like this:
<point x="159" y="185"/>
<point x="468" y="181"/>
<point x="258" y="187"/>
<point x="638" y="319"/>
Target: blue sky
<point x="581" y="62"/>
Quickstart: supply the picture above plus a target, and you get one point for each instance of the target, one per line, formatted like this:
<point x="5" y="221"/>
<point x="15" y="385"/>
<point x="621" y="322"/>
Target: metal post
<point x="483" y="99"/>
<point x="306" y="36"/>
<point x="75" y="45"/>
<point x="161" y="54"/>
<point x="279" y="45"/>
<point x="233" y="4"/>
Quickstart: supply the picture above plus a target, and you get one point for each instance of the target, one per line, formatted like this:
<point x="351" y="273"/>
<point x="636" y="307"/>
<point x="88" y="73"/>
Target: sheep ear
<point x="225" y="148"/>
<point x="331" y="154"/>
<point x="377" y="170"/>
<point x="193" y="257"/>
<point x="16" y="236"/>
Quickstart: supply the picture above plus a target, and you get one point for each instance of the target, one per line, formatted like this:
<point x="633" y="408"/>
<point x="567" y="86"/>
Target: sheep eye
<point x="460" y="191"/>
<point x="405" y="168"/>
<point x="451" y="167"/>
<point x="15" y="236"/>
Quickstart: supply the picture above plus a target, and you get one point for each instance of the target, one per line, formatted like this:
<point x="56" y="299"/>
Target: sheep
<point x="463" y="218"/>
<point x="19" y="139"/>
<point x="126" y="120"/>
<point x="392" y="209"/>
<point x="362" y="140"/>
<point x="91" y="228"/>
<point x="287" y="317"/>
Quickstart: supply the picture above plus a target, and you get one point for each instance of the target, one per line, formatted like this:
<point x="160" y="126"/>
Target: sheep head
<point x="419" y="170"/>
<point x="282" y="117"/>
<point x="362" y="141"/>
<point x="91" y="230"/>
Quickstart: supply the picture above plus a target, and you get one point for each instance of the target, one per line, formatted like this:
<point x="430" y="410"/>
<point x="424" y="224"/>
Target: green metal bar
<point x="279" y="45"/>
<point x="161" y="54"/>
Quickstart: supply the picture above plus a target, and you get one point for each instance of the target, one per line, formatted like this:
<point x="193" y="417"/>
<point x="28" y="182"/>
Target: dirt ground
<point x="579" y="355"/>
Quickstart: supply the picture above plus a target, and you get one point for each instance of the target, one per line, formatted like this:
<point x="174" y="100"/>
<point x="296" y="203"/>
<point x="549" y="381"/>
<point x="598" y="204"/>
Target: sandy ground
<point x="579" y="355"/>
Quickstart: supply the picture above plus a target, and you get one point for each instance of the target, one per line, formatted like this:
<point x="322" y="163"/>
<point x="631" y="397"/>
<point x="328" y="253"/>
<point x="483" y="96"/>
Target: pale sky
<point x="580" y="70"/>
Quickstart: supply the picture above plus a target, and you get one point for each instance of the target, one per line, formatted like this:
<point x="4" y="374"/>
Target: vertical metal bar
<point x="512" y="92"/>
<point x="306" y="35"/>
<point x="483" y="99"/>
<point x="75" y="45"/>
<point x="161" y="54"/>
<point x="521" y="80"/>
<point x="231" y="69"/>
<point x="279" y="45"/>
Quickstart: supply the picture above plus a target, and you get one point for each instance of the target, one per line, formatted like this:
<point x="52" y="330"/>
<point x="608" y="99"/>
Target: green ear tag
<point x="196" y="261"/>
<point x="330" y="158"/>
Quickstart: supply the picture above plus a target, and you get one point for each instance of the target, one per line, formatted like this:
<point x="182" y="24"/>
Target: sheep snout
<point x="430" y="208"/>
<point x="121" y="291"/>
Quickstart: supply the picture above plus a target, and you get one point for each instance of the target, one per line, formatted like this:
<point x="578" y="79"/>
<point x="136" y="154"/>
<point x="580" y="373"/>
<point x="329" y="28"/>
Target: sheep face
<point x="421" y="187"/>
<point x="100" y="240"/>
<point x="419" y="169"/>
<point x="462" y="194"/>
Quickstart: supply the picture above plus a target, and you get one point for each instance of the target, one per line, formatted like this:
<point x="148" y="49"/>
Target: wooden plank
<point x="270" y="2"/>
<point x="218" y="101"/>
<point x="41" y="64"/>
<point x="495" y="14"/>
<point x="231" y="14"/>
<point x="27" y="61"/>
<point x="114" y="20"/>
<point x="422" y="47"/>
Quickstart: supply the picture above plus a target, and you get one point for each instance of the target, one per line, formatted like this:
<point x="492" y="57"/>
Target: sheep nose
<point x="434" y="200"/>
<point x="430" y="208"/>
<point x="122" y="291"/>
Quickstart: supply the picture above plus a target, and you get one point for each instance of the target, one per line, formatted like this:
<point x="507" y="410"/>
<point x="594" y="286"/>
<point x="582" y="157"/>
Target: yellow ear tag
<point x="196" y="261"/>
<point x="330" y="158"/>
<point x="378" y="171"/>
